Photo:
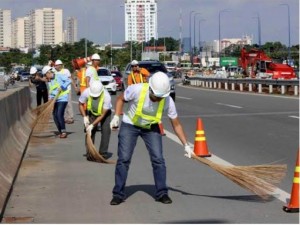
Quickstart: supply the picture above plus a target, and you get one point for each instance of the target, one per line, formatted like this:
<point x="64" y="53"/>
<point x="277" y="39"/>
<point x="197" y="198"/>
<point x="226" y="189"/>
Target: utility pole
<point x="289" y="28"/>
<point x="180" y="34"/>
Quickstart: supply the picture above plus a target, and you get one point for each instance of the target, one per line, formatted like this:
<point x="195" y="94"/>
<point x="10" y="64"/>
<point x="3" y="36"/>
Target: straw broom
<point x="43" y="113"/>
<point x="258" y="179"/>
<point x="41" y="107"/>
<point x="93" y="154"/>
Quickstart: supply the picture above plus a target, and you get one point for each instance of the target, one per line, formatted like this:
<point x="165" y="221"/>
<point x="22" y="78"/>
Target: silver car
<point x="107" y="80"/>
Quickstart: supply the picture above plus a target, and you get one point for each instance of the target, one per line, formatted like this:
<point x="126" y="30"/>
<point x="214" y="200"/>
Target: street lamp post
<point x="195" y="15"/>
<point x="201" y="20"/>
<point x="289" y="27"/>
<point x="220" y="12"/>
<point x="191" y="12"/>
<point x="111" y="62"/>
<point x="259" y="29"/>
<point x="165" y="49"/>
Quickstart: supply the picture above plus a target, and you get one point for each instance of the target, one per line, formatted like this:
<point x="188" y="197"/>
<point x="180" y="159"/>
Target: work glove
<point x="188" y="151"/>
<point x="114" y="124"/>
<point x="86" y="121"/>
<point x="89" y="129"/>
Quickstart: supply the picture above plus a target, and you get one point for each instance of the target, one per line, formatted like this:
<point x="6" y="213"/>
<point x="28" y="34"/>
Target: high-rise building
<point x="46" y="27"/>
<point x="5" y="28"/>
<point x="20" y="33"/>
<point x="140" y="20"/>
<point x="71" y="30"/>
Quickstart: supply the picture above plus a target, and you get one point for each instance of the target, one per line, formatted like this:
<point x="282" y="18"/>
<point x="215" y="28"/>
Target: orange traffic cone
<point x="200" y="146"/>
<point x="161" y="128"/>
<point x="78" y="63"/>
<point x="293" y="206"/>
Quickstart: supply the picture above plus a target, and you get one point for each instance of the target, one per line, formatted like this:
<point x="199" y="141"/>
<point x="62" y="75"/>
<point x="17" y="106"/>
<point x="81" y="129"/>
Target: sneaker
<point x="116" y="201"/>
<point x="63" y="135"/>
<point x="165" y="199"/>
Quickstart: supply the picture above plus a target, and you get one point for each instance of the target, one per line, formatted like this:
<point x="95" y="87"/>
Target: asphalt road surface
<point x="56" y="184"/>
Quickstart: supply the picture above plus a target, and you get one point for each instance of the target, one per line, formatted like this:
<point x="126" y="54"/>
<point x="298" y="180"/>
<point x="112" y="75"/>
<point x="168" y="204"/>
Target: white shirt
<point x="132" y="95"/>
<point x="107" y="99"/>
<point x="90" y="71"/>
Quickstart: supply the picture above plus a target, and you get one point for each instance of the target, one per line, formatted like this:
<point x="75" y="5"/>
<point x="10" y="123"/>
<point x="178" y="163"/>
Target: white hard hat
<point x="134" y="63"/>
<point x="46" y="69"/>
<point x="33" y="70"/>
<point x="96" y="88"/>
<point x="160" y="84"/>
<point x="95" y="57"/>
<point x="58" y="62"/>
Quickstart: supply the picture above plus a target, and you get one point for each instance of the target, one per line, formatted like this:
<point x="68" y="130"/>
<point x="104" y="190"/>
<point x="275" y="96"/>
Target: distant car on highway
<point x="117" y="75"/>
<point x="24" y="76"/>
<point x="107" y="80"/>
<point x="154" y="66"/>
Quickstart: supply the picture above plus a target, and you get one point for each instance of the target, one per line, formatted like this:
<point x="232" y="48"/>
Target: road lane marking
<point x="183" y="97"/>
<point x="232" y="106"/>
<point x="236" y="114"/>
<point x="296" y="117"/>
<point x="278" y="193"/>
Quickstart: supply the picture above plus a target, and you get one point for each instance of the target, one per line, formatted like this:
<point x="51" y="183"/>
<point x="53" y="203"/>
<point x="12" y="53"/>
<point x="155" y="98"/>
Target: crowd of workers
<point x="147" y="98"/>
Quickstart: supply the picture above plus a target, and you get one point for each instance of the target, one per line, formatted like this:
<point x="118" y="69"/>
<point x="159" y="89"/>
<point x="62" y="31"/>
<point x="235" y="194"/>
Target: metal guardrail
<point x="220" y="83"/>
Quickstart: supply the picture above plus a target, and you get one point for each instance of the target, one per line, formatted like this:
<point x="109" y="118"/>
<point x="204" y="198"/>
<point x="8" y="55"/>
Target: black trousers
<point x="105" y="131"/>
<point x="41" y="94"/>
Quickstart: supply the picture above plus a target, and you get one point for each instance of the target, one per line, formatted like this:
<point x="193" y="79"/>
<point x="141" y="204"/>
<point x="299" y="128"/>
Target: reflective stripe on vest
<point x="139" y="110"/>
<point x="95" y="105"/>
<point x="83" y="77"/>
<point x="53" y="86"/>
<point x="133" y="78"/>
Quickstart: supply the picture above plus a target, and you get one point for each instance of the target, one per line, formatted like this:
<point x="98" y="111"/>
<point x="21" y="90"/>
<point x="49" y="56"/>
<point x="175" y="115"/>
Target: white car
<point x="107" y="80"/>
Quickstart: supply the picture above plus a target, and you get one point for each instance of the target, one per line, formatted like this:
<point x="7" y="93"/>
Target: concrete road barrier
<point x="16" y="121"/>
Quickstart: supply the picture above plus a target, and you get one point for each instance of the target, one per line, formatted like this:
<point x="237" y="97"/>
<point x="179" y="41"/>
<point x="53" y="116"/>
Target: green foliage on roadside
<point x="68" y="52"/>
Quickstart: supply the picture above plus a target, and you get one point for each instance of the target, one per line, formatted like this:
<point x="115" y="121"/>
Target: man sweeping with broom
<point x="98" y="102"/>
<point x="58" y="90"/>
<point x="147" y="102"/>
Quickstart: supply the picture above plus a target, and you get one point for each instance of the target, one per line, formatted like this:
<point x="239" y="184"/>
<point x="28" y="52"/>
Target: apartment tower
<point x="5" y="28"/>
<point x="71" y="30"/>
<point x="140" y="20"/>
<point x="46" y="27"/>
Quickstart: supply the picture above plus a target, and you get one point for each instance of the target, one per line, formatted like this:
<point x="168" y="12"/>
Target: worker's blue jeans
<point x="58" y="116"/>
<point x="128" y="135"/>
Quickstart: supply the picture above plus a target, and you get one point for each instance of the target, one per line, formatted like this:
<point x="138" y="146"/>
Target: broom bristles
<point x="93" y="154"/>
<point x="44" y="112"/>
<point x="39" y="109"/>
<point x="43" y="117"/>
<point x="258" y="179"/>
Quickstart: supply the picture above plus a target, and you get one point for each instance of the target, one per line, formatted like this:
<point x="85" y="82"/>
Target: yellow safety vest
<point x="83" y="78"/>
<point x="95" y="76"/>
<point x="54" y="85"/>
<point x="133" y="78"/>
<point x="139" y="114"/>
<point x="95" y="106"/>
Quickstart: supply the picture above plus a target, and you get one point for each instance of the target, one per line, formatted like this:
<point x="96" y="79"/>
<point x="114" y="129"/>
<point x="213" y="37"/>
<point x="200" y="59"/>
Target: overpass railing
<point x="246" y="84"/>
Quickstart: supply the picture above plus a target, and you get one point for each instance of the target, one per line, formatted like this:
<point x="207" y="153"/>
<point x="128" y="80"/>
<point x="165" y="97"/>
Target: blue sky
<point x="97" y="17"/>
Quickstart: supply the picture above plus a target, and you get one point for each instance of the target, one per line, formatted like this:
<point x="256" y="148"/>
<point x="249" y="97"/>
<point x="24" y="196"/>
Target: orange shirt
<point x="137" y="76"/>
